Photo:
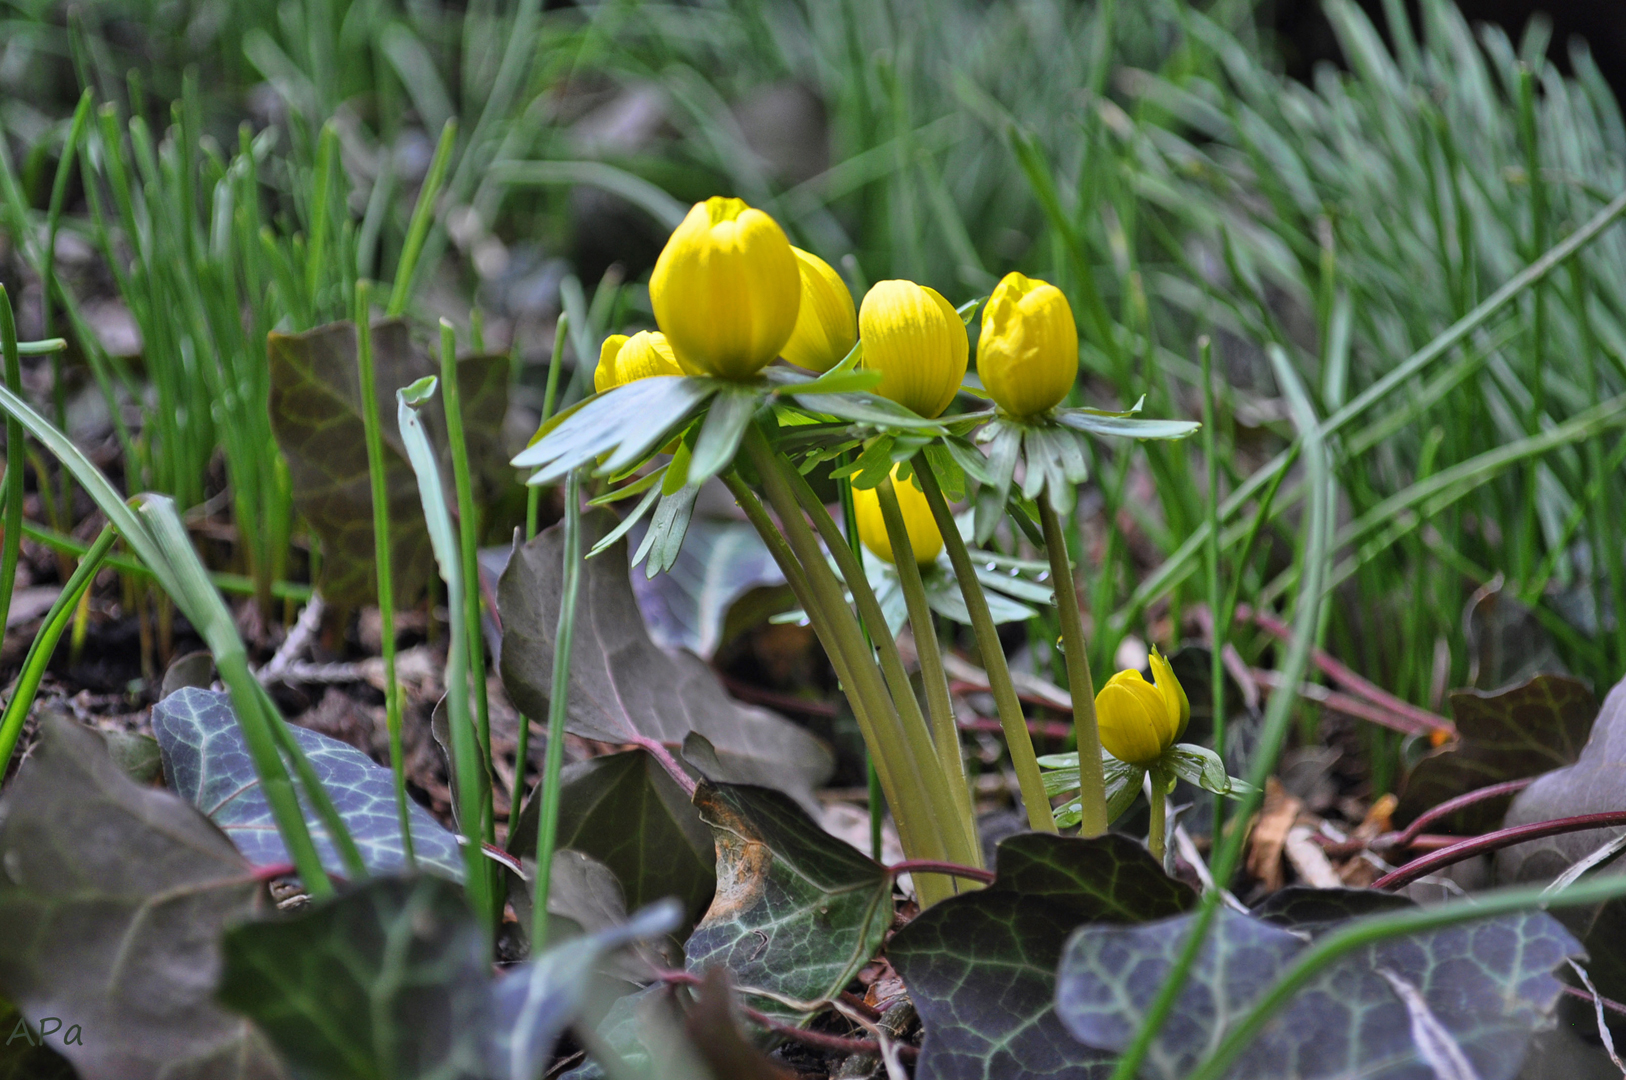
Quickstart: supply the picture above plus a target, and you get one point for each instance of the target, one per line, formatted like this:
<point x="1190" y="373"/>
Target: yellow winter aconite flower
<point x="726" y="289"/>
<point x="623" y="359"/>
<point x="1139" y="720"/>
<point x="1027" y="354"/>
<point x="916" y="340"/>
<point x="826" y="323"/>
<point x="924" y="539"/>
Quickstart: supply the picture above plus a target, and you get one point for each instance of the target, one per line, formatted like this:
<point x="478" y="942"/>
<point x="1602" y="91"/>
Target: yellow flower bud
<point x="826" y="323"/>
<point x="637" y="357"/>
<point x="916" y="340"/>
<point x="604" y="375"/>
<point x="1139" y="720"/>
<point x="1027" y="354"/>
<point x="924" y="539"/>
<point x="726" y="289"/>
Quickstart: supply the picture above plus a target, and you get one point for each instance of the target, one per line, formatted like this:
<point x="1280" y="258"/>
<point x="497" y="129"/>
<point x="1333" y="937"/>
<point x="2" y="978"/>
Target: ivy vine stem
<point x="1011" y="721"/>
<point x="1091" y="780"/>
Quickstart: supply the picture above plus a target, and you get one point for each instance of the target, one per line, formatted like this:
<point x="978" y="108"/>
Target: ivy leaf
<point x="113" y="899"/>
<point x="1485" y="987"/>
<point x="1502" y="735"/>
<point x="981" y="966"/>
<point x="626" y="812"/>
<point x="207" y="762"/>
<point x="623" y="687"/>
<point x="721" y="560"/>
<point x="316" y="415"/>
<point x="798" y="912"/>
<point x="384" y="982"/>
<point x="1312" y="911"/>
<point x="27" y="1053"/>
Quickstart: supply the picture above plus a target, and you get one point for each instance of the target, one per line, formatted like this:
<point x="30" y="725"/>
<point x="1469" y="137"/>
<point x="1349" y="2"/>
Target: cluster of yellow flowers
<point x="731" y="294"/>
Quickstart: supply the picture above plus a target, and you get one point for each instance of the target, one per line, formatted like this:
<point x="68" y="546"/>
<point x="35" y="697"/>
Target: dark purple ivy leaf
<point x="206" y="760"/>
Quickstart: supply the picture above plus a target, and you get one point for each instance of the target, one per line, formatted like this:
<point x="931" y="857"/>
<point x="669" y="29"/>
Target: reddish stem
<point x="838" y="1043"/>
<point x="1345" y="677"/>
<point x="1613" y="1006"/>
<point x="932" y="866"/>
<point x="1044" y="729"/>
<point x="1451" y="806"/>
<point x="1496" y="841"/>
<point x="1347" y="704"/>
<point x="272" y="871"/>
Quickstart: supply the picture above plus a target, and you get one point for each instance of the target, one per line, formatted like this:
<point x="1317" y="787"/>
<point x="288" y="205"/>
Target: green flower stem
<point x="547" y="829"/>
<point x="44" y="644"/>
<point x="11" y="546"/>
<point x="1092" y="782"/>
<point x="902" y="774"/>
<point x="945" y="731"/>
<point x="469" y="545"/>
<point x="877" y="799"/>
<point x="1011" y="720"/>
<point x="915" y="731"/>
<point x="1157" y="837"/>
<point x="382" y="554"/>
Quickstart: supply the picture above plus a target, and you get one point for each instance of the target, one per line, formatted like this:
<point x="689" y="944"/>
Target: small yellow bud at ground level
<point x="640" y="356"/>
<point x="924" y="539"/>
<point x="827" y="322"/>
<point x="1138" y="720"/>
<point x="916" y="340"/>
<point x="1027" y="353"/>
<point x="726" y="289"/>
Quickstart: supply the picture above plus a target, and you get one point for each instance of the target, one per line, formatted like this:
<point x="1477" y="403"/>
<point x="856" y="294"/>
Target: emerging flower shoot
<point x="726" y="289"/>
<point x="916" y="340"/>
<point x="624" y="359"/>
<point x="1027" y="354"/>
<point x="827" y="322"/>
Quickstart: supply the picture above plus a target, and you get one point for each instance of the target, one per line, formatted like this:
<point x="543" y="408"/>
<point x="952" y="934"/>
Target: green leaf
<point x="316" y="416"/>
<point x="206" y="760"/>
<point x="663" y="541"/>
<point x="867" y="408"/>
<point x="113" y="899"/>
<point x="626" y="811"/>
<point x="981" y="966"/>
<point x="623" y="687"/>
<point x="797" y="913"/>
<point x="1502" y="735"/>
<point x="1095" y="423"/>
<point x="1203" y="768"/>
<point x="387" y="981"/>
<point x="720" y="433"/>
<point x="1485" y="986"/>
<point x="618" y="427"/>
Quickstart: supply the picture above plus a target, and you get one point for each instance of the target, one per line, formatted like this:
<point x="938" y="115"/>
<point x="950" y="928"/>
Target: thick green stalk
<point x="469" y="546"/>
<point x="1157" y="836"/>
<point x="44" y="644"/>
<point x="382" y="554"/>
<point x="11" y="546"/>
<point x="945" y="732"/>
<point x="1092" y="782"/>
<point x="1014" y="724"/>
<point x="902" y="774"/>
<point x="877" y="798"/>
<point x="547" y="830"/>
<point x="915" y="731"/>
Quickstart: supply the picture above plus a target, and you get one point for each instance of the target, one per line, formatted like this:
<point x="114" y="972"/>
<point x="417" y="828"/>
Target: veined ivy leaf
<point x="721" y="560"/>
<point x="206" y="760"/>
<point x="112" y="899"/>
<point x="1502" y="735"/>
<point x="981" y="967"/>
<point x="626" y="812"/>
<point x="316" y="414"/>
<point x="27" y="1053"/>
<point x="1483" y="988"/>
<point x="1311" y="911"/>
<point x="623" y="687"/>
<point x="798" y="912"/>
<point x="387" y="981"/>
